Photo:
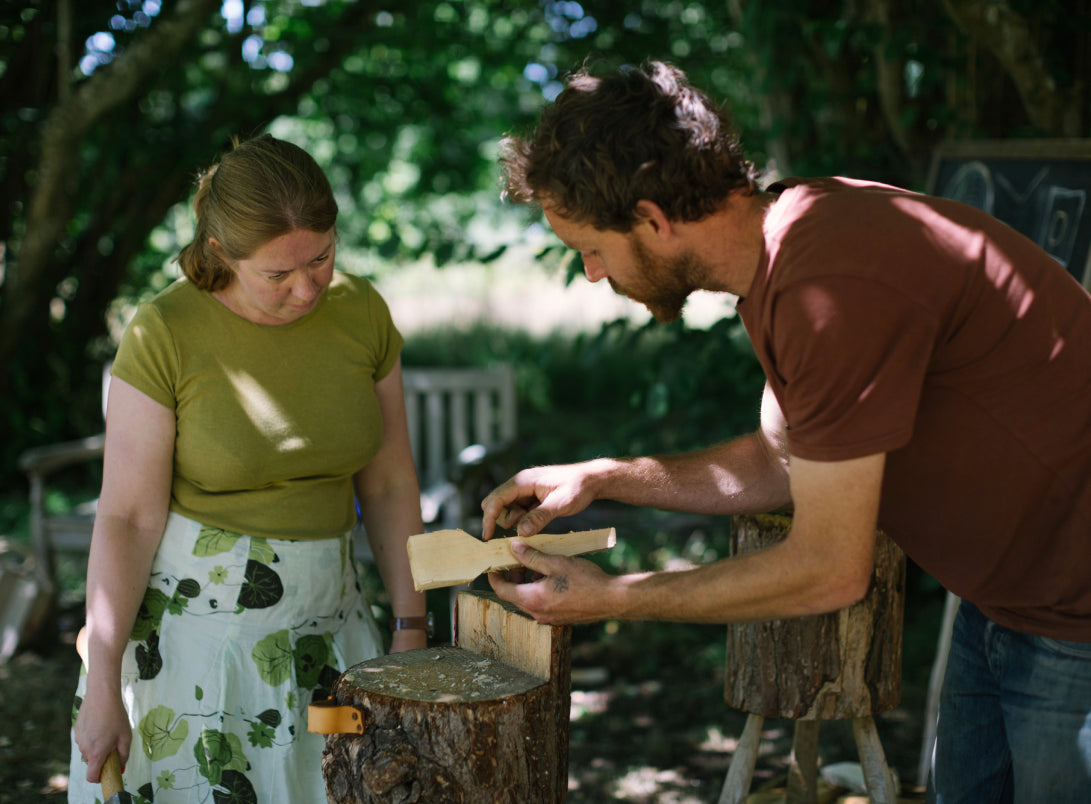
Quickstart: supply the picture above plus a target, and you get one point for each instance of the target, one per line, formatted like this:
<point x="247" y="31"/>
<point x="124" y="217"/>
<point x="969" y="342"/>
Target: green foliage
<point x="624" y="390"/>
<point x="404" y="105"/>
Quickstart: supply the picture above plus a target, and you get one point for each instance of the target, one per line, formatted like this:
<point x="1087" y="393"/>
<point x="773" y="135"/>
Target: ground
<point x="646" y="725"/>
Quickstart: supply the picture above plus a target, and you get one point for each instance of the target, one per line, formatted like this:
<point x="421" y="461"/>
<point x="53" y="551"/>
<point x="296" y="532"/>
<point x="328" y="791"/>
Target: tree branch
<point x="1002" y="31"/>
<point x="889" y="77"/>
<point x="51" y="203"/>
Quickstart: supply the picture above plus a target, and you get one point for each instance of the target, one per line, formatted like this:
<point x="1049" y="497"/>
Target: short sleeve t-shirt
<point x="272" y="421"/>
<point x="893" y="322"/>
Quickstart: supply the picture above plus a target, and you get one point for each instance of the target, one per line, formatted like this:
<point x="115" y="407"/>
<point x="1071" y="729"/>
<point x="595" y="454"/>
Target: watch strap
<point x="426" y="623"/>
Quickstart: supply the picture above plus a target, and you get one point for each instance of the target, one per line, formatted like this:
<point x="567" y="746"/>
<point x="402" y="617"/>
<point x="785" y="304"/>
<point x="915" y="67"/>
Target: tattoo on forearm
<point x="560" y="583"/>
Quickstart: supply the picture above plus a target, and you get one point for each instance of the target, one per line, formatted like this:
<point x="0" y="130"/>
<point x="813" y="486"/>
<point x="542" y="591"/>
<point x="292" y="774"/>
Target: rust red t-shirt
<point x="888" y="321"/>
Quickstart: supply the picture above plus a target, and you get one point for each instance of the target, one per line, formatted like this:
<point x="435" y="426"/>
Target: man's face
<point x="662" y="284"/>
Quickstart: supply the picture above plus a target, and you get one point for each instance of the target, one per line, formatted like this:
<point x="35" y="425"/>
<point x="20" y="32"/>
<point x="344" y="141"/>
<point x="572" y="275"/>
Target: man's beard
<point x="663" y="284"/>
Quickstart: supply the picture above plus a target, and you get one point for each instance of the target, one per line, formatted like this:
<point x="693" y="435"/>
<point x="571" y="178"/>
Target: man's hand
<point x="535" y="497"/>
<point x="571" y="590"/>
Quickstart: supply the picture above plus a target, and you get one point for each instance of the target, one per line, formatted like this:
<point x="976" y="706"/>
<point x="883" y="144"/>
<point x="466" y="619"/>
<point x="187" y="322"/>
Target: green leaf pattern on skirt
<point x="240" y="744"/>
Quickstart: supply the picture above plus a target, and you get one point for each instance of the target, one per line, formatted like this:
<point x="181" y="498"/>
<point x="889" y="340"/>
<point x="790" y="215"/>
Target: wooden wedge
<point x="453" y="557"/>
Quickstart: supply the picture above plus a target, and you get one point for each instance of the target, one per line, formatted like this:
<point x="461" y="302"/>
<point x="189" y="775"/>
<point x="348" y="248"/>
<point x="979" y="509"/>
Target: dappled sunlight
<point x="589" y="703"/>
<point x="266" y="414"/>
<point x="716" y="740"/>
<point x="658" y="785"/>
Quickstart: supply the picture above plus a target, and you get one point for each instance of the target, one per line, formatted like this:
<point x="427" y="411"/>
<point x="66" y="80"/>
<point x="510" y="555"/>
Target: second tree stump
<point x="842" y="665"/>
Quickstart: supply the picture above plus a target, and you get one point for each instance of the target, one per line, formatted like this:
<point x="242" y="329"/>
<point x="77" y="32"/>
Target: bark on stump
<point x="845" y="664"/>
<point x="486" y="721"/>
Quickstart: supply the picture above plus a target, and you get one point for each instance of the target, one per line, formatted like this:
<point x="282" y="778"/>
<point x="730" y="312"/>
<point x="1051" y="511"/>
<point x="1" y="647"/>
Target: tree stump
<point x="480" y="722"/>
<point x="839" y="665"/>
<point x="845" y="664"/>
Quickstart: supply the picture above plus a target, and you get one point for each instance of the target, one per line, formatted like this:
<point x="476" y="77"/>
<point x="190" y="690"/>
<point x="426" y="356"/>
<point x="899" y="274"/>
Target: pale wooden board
<point x="452" y="557"/>
<point x="493" y="628"/>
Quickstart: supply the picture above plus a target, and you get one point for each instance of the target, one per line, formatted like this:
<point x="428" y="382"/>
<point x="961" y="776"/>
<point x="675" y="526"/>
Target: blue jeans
<point x="1015" y="718"/>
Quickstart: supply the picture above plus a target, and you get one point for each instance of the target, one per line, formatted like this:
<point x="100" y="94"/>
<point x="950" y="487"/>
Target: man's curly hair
<point x="640" y="133"/>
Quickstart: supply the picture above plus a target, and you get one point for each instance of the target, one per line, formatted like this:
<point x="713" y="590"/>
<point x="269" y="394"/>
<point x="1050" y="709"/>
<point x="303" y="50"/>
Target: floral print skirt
<point x="235" y="637"/>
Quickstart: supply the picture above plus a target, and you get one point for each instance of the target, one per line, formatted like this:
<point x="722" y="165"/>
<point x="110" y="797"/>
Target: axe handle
<point x="111" y="776"/>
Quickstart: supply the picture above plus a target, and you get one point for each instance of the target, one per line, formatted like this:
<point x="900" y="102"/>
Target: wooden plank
<point x="483" y="416"/>
<point x="434" y="467"/>
<point x="460" y="435"/>
<point x="499" y="631"/>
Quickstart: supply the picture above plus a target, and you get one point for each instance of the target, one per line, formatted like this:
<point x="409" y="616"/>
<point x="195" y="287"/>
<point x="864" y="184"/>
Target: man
<point x="928" y="371"/>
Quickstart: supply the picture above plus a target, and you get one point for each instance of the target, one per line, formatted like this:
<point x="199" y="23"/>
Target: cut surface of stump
<point x="442" y="674"/>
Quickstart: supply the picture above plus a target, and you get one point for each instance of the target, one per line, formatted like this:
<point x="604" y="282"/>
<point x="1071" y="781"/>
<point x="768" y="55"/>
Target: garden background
<point x="110" y="107"/>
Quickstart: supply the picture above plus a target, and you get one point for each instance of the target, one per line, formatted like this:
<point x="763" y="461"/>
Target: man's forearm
<point x="741" y="476"/>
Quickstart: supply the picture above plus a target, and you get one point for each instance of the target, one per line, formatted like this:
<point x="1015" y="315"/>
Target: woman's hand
<point x="408" y="639"/>
<point x="101" y="726"/>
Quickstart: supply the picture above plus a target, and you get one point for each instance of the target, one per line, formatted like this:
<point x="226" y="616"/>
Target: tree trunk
<point x="451" y="724"/>
<point x="844" y="664"/>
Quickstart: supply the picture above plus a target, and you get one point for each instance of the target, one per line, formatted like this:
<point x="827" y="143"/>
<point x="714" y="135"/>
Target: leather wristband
<point x="426" y="623"/>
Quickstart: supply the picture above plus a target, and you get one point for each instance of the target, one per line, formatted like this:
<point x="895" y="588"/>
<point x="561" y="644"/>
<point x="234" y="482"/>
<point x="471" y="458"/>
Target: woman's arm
<point x="389" y="496"/>
<point x="129" y="522"/>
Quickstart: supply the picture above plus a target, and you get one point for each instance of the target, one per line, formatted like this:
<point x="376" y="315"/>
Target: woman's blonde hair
<point x="263" y="188"/>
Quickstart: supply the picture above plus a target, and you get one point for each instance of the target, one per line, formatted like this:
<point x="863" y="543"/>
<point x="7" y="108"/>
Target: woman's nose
<point x="305" y="287"/>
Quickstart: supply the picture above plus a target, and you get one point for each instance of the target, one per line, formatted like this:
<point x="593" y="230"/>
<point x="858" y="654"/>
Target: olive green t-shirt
<point x="272" y="421"/>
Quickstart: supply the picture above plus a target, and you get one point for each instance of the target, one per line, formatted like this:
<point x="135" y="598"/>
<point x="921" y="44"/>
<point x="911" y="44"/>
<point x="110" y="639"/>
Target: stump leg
<point x="880" y="785"/>
<point x="803" y="768"/>
<point x="741" y="769"/>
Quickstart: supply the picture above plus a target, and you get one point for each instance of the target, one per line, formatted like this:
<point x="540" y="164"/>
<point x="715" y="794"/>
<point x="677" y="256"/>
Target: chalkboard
<point x="1042" y="188"/>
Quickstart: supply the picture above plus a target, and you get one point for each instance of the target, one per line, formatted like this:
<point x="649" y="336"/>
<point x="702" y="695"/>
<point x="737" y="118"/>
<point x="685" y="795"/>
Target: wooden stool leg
<point x="741" y="769"/>
<point x="880" y="785"/>
<point x="803" y="769"/>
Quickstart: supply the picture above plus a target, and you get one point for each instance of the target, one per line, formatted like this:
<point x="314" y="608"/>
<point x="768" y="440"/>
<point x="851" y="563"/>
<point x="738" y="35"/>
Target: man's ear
<point x="652" y="216"/>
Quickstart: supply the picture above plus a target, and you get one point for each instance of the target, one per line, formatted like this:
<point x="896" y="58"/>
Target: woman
<point x="249" y="402"/>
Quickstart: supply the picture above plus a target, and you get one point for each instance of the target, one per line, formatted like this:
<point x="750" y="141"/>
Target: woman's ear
<point x="227" y="264"/>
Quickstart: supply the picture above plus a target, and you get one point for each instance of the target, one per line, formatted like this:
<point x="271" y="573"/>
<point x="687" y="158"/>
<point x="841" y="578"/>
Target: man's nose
<point x="594" y="268"/>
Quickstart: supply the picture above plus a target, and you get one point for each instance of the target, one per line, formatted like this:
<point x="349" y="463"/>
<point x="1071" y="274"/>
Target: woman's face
<point x="281" y="281"/>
